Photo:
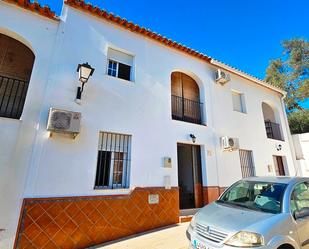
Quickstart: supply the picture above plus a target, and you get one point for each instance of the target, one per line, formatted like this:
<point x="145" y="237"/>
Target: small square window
<point x="238" y="102"/>
<point x="120" y="64"/>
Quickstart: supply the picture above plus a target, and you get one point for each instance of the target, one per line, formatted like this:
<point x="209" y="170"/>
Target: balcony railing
<point x="12" y="97"/>
<point x="273" y="130"/>
<point x="186" y="110"/>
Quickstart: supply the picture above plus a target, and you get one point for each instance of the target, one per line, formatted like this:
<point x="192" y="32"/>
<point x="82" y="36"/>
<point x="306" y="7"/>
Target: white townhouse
<point x="157" y="128"/>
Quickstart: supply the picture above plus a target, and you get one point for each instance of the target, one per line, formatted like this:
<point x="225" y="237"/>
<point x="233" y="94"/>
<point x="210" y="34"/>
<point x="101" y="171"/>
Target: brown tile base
<point x="78" y="222"/>
<point x="211" y="194"/>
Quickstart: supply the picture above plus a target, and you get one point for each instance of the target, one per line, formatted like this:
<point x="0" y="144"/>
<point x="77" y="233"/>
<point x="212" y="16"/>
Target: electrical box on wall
<point x="167" y="162"/>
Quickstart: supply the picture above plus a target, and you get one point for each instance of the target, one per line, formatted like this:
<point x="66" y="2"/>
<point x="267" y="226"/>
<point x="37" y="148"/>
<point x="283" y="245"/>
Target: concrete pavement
<point x="172" y="237"/>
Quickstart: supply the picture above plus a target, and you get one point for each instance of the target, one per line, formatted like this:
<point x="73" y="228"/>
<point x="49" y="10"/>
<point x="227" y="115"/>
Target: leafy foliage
<point x="291" y="72"/>
<point x="299" y="121"/>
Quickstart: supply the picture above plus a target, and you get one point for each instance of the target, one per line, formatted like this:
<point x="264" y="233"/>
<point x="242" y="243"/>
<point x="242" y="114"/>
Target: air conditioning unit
<point x="221" y="77"/>
<point x="62" y="121"/>
<point x="229" y="143"/>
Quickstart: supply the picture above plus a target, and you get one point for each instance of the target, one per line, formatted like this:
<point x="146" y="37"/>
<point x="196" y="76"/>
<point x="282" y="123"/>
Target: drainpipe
<point x="290" y="140"/>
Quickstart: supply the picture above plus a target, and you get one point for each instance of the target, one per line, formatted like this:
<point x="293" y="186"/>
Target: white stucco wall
<point x="17" y="136"/>
<point x="36" y="165"/>
<point x="142" y="109"/>
<point x="249" y="129"/>
<point x="301" y="145"/>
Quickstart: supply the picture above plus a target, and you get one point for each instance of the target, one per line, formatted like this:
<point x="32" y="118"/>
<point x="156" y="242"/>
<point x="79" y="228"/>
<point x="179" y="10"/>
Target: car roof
<point x="278" y="179"/>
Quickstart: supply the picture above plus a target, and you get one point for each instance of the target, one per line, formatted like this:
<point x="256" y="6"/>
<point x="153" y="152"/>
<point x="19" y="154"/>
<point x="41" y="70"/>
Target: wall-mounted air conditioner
<point x="221" y="77"/>
<point x="229" y="143"/>
<point x="62" y="121"/>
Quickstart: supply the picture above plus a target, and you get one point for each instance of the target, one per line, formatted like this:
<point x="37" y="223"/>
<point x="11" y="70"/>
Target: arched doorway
<point x="272" y="126"/>
<point x="16" y="63"/>
<point x="186" y="104"/>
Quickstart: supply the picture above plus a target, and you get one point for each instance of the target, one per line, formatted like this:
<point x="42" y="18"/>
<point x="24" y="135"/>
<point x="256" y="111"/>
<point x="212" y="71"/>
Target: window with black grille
<point x="246" y="163"/>
<point x="113" y="163"/>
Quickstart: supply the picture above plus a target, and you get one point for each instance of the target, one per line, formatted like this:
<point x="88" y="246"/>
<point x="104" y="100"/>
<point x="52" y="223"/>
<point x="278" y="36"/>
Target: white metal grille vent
<point x="61" y="120"/>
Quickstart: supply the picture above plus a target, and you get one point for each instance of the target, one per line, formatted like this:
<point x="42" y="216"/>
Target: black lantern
<point x="193" y="138"/>
<point x="84" y="71"/>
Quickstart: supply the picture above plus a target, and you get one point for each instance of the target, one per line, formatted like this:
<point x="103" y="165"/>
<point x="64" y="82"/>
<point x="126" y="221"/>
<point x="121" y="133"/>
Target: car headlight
<point x="193" y="222"/>
<point x="246" y="239"/>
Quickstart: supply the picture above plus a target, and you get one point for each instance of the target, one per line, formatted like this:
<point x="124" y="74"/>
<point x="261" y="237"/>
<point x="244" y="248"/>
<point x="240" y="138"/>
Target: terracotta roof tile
<point x="80" y="4"/>
<point x="34" y="7"/>
<point x="245" y="75"/>
<point x="109" y="16"/>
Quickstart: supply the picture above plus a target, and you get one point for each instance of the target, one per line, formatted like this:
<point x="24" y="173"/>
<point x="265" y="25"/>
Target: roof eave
<point x="34" y="7"/>
<point x="95" y="11"/>
<point x="246" y="76"/>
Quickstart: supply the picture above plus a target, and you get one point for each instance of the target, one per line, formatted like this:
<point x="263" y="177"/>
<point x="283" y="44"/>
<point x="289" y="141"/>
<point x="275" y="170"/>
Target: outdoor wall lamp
<point x="193" y="138"/>
<point x="85" y="71"/>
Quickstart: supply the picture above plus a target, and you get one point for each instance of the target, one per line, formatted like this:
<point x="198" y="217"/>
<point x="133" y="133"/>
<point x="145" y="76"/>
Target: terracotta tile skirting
<point x="211" y="193"/>
<point x="79" y="222"/>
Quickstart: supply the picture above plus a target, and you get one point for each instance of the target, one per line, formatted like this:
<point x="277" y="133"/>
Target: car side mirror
<point x="303" y="213"/>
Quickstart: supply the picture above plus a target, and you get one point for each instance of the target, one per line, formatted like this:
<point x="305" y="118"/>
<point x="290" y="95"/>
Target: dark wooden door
<point x="189" y="176"/>
<point x="279" y="166"/>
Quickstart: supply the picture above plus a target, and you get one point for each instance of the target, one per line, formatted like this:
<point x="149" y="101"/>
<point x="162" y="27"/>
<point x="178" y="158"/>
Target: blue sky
<point x="246" y="34"/>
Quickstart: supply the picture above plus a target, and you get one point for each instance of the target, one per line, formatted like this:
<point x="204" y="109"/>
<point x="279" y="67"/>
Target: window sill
<point x="115" y="191"/>
<point x="186" y="122"/>
<point x="274" y="139"/>
<point x="110" y="189"/>
<point x="240" y="112"/>
<point x="121" y="80"/>
<point x="5" y="119"/>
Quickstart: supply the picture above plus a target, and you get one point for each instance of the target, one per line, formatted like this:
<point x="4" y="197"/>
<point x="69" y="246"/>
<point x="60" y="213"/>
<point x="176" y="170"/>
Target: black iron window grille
<point x="273" y="130"/>
<point x="12" y="97"/>
<point x="113" y="163"/>
<point x="246" y="163"/>
<point x="186" y="110"/>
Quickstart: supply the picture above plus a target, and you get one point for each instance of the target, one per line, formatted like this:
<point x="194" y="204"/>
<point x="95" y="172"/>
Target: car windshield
<point x="259" y="196"/>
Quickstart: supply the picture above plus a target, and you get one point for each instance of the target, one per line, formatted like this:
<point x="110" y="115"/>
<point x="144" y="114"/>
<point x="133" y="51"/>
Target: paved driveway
<point x="172" y="237"/>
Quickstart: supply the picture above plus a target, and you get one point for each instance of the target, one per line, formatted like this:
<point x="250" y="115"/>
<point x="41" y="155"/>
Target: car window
<point x="240" y="192"/>
<point x="261" y="196"/>
<point x="300" y="197"/>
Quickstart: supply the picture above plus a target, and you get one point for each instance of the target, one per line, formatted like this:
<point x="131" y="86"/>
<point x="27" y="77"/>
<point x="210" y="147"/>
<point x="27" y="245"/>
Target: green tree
<point x="291" y="72"/>
<point x="299" y="121"/>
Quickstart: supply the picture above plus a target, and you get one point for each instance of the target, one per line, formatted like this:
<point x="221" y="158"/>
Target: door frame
<point x="198" y="197"/>
<point x="280" y="167"/>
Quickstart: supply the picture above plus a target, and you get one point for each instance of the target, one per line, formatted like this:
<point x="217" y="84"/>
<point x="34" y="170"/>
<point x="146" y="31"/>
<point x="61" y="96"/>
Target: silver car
<point x="262" y="212"/>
